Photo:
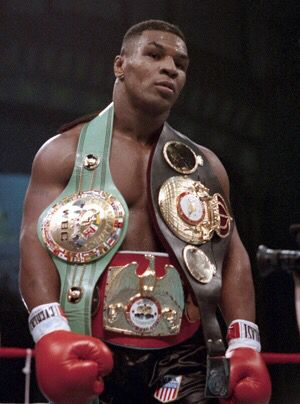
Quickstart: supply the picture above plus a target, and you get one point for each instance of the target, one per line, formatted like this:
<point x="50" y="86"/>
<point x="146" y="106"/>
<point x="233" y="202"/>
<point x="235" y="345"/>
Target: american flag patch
<point x="168" y="392"/>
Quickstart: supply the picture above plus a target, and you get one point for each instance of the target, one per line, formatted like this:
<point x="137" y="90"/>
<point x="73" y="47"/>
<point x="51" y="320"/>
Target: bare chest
<point x="128" y="166"/>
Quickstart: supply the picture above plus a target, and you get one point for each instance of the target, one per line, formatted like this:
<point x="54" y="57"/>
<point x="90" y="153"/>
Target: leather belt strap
<point x="207" y="295"/>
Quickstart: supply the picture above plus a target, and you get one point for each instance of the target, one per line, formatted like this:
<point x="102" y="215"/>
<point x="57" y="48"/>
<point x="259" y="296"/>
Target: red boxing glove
<point x="249" y="378"/>
<point x="249" y="381"/>
<point x="70" y="367"/>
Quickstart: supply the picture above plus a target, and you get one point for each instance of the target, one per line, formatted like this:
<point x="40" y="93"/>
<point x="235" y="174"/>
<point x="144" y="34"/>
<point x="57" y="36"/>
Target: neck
<point x="135" y="122"/>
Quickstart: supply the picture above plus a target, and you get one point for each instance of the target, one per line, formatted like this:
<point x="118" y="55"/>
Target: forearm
<point x="237" y="295"/>
<point x="39" y="280"/>
<point x="34" y="292"/>
<point x="238" y="302"/>
<point x="249" y="379"/>
<point x="57" y="347"/>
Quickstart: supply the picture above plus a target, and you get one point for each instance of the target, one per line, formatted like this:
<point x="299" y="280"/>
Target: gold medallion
<point x="83" y="227"/>
<point x="74" y="294"/>
<point x="181" y="157"/>
<point x="91" y="162"/>
<point x="190" y="212"/>
<point x="198" y="264"/>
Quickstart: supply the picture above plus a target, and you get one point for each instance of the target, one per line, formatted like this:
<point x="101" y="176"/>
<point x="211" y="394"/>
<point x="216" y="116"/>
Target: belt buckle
<point x="217" y="377"/>
<point x="143" y="304"/>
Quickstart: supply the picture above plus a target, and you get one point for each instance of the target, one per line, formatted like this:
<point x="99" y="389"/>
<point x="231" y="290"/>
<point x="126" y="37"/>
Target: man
<point x="101" y="246"/>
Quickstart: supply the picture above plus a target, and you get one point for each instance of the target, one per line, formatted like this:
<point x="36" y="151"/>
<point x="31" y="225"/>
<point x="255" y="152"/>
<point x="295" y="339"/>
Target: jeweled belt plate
<point x="143" y="304"/>
<point x="84" y="226"/>
<point x="190" y="212"/>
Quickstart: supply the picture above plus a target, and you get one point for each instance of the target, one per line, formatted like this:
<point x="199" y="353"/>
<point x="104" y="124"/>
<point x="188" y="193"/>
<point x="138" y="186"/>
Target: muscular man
<point x="126" y="236"/>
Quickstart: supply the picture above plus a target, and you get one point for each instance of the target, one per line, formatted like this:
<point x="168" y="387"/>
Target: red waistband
<point x="141" y="342"/>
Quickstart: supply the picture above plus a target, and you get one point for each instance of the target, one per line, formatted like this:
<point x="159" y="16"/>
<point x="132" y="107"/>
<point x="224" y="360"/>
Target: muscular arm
<point x="52" y="166"/>
<point x="69" y="366"/>
<point x="237" y="295"/>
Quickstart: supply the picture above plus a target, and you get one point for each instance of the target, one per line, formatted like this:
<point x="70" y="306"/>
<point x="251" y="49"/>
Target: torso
<point x="128" y="165"/>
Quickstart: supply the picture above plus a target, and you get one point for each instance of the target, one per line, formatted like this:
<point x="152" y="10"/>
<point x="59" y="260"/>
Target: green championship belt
<point x="85" y="226"/>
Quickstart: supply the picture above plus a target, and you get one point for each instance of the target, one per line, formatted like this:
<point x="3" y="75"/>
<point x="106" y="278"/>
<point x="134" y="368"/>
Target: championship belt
<point x="144" y="303"/>
<point x="194" y="220"/>
<point x="84" y="227"/>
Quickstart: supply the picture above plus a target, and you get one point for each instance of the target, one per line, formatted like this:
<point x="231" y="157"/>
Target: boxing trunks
<point x="174" y="374"/>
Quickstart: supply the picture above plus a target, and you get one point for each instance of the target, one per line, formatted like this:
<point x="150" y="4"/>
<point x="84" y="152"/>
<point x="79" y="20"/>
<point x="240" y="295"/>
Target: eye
<point x="180" y="65"/>
<point x="154" y="55"/>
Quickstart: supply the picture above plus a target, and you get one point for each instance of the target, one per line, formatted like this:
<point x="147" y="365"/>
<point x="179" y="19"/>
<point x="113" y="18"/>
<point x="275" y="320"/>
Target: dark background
<point x="241" y="101"/>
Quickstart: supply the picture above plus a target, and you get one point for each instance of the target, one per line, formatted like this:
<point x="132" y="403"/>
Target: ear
<point x="118" y="66"/>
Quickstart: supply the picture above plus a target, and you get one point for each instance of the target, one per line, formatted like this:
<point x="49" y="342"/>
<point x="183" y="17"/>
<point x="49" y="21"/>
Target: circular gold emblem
<point x="198" y="264"/>
<point x="83" y="227"/>
<point x="91" y="162"/>
<point x="75" y="294"/>
<point x="181" y="157"/>
<point x="190" y="212"/>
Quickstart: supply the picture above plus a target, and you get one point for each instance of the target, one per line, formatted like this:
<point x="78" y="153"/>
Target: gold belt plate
<point x="143" y="305"/>
<point x="190" y="212"/>
<point x="84" y="226"/>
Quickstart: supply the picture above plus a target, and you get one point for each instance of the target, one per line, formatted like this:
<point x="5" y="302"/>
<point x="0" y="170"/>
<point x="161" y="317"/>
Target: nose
<point x="168" y="67"/>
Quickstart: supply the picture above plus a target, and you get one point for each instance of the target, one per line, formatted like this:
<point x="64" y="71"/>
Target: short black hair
<point x="152" y="25"/>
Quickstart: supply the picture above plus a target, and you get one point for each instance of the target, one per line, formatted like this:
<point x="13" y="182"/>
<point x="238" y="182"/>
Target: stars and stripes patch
<point x="168" y="392"/>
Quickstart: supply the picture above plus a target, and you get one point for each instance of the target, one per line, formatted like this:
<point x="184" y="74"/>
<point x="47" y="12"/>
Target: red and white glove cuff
<point x="46" y="318"/>
<point x="243" y="334"/>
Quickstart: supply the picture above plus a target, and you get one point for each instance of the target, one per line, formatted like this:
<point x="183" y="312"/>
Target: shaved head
<point x="150" y="25"/>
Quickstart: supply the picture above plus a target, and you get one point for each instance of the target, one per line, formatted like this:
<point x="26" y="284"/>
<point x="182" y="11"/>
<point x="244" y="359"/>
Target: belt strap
<point x="207" y="295"/>
<point x="95" y="139"/>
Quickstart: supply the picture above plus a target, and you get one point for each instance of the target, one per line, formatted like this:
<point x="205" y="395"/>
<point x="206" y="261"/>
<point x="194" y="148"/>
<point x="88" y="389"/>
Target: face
<point x="154" y="67"/>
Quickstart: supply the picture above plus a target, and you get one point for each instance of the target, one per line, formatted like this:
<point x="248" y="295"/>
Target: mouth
<point x="167" y="85"/>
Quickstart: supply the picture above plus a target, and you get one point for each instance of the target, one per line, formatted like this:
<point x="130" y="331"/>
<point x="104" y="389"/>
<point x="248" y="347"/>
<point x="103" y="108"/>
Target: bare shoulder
<point x="56" y="157"/>
<point x="217" y="167"/>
